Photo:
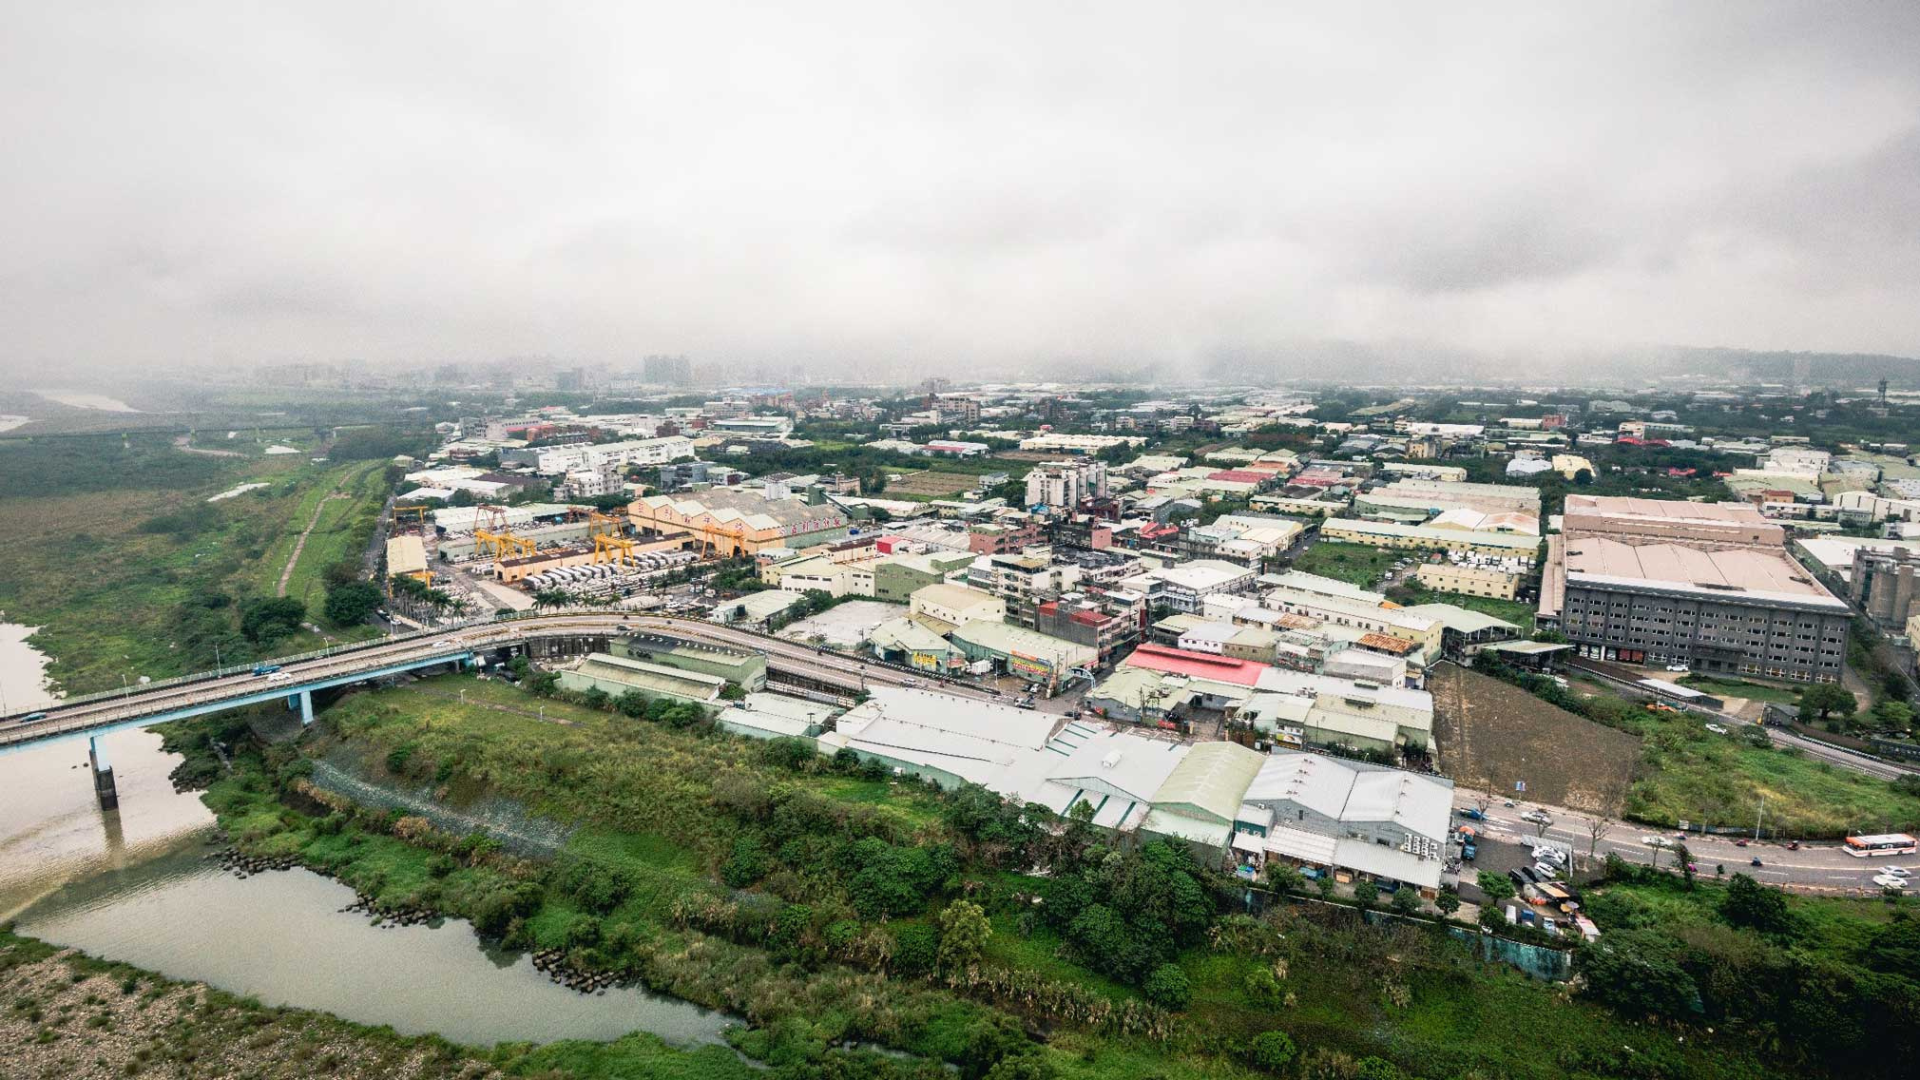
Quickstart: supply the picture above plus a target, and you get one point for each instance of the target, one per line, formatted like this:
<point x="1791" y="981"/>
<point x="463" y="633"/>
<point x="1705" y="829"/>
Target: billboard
<point x="1031" y="667"/>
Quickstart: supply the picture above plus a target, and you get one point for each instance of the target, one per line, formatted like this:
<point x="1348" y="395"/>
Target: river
<point x="23" y="671"/>
<point x="136" y="885"/>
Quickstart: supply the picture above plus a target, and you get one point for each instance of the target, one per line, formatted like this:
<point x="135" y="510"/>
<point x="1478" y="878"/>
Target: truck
<point x="265" y="669"/>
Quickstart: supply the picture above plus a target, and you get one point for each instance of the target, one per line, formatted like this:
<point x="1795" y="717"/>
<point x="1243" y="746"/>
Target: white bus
<point x="1867" y="847"/>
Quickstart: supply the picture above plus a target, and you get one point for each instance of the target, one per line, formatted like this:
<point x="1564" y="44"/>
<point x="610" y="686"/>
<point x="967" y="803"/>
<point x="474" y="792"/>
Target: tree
<point x="1406" y="900"/>
<point x="266" y="620"/>
<point x="1638" y="973"/>
<point x="1821" y="700"/>
<point x="1282" y="877"/>
<point x="964" y="932"/>
<point x="349" y="604"/>
<point x="1683" y="859"/>
<point x="1753" y="906"/>
<point x="1272" y="1051"/>
<point x="1448" y="902"/>
<point x="1168" y="988"/>
<point x="1598" y="824"/>
<point x="1495" y="885"/>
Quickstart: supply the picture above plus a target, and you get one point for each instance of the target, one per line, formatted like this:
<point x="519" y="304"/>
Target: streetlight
<point x="125" y="690"/>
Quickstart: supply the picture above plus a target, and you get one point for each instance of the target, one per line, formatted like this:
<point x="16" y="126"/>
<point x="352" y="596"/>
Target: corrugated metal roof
<point x="1210" y="780"/>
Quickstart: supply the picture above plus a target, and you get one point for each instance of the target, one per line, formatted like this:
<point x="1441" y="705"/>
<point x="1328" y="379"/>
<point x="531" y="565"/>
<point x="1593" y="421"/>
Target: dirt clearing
<point x="1491" y="735"/>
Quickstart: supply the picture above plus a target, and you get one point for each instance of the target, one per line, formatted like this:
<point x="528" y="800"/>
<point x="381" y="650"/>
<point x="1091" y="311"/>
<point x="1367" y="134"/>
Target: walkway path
<point x="299" y="545"/>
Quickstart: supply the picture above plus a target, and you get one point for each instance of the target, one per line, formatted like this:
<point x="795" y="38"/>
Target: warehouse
<point x="616" y="675"/>
<point x="1383" y="823"/>
<point x="1389" y="534"/>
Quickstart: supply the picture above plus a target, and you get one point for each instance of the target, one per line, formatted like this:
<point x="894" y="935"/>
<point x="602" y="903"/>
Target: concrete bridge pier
<point x="304" y="702"/>
<point x="103" y="786"/>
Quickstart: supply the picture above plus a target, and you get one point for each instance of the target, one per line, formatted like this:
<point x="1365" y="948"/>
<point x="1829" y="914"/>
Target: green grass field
<point x="1689" y="773"/>
<point x="1356" y="564"/>
<point x="108" y="541"/>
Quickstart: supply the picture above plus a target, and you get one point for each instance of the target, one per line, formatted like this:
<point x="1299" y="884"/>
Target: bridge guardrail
<point x="433" y="632"/>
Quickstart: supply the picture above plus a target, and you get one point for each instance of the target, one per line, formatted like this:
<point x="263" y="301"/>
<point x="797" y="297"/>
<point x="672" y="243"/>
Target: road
<point x="1816" y="867"/>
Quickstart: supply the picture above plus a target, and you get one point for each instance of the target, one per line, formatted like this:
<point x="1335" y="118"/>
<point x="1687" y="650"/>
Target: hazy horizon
<point x="882" y="190"/>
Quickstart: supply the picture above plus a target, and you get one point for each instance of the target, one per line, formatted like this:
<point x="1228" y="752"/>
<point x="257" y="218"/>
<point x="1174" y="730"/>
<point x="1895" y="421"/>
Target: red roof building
<point x="1196" y="665"/>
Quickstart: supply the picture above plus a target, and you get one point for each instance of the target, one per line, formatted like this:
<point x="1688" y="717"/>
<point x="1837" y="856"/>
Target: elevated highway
<point x="299" y="677"/>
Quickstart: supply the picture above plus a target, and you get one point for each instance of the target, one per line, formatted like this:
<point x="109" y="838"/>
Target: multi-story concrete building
<point x="562" y="460"/>
<point x="1063" y="485"/>
<point x="1183" y="587"/>
<point x="1085" y="621"/>
<point x="1000" y="538"/>
<point x="896" y="579"/>
<point x="1748" y="611"/>
<point x="1023" y="581"/>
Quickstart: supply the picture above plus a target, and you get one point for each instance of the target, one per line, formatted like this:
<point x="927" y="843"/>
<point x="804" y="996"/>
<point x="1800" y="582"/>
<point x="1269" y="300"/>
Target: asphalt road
<point x="1816" y="867"/>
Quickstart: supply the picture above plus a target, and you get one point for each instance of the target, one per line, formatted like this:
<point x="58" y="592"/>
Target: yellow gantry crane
<point x="613" y="549"/>
<point x="417" y="513"/>
<point x="503" y="545"/>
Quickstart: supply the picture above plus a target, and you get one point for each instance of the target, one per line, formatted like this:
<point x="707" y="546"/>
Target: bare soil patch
<point x="1490" y="735"/>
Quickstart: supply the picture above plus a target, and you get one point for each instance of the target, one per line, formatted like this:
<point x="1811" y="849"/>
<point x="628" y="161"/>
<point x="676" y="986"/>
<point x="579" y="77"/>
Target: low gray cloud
<point x="995" y="186"/>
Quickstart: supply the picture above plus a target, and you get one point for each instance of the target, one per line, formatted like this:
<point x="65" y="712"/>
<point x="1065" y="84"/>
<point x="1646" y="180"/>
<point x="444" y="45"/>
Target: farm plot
<point x="1491" y="735"/>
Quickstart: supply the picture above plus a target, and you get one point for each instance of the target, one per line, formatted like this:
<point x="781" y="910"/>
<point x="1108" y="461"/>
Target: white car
<point x="1897" y="871"/>
<point x="1717" y="729"/>
<point x="1538" y="817"/>
<point x="1656" y="841"/>
<point x="1889" y="881"/>
<point x="1681" y="668"/>
<point x="278" y="676"/>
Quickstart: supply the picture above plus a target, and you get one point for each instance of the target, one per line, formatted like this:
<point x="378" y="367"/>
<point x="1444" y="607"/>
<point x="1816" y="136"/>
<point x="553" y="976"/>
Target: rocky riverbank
<point x="72" y="1016"/>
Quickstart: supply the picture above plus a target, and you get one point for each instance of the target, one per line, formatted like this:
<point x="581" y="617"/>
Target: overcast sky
<point x="980" y="186"/>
